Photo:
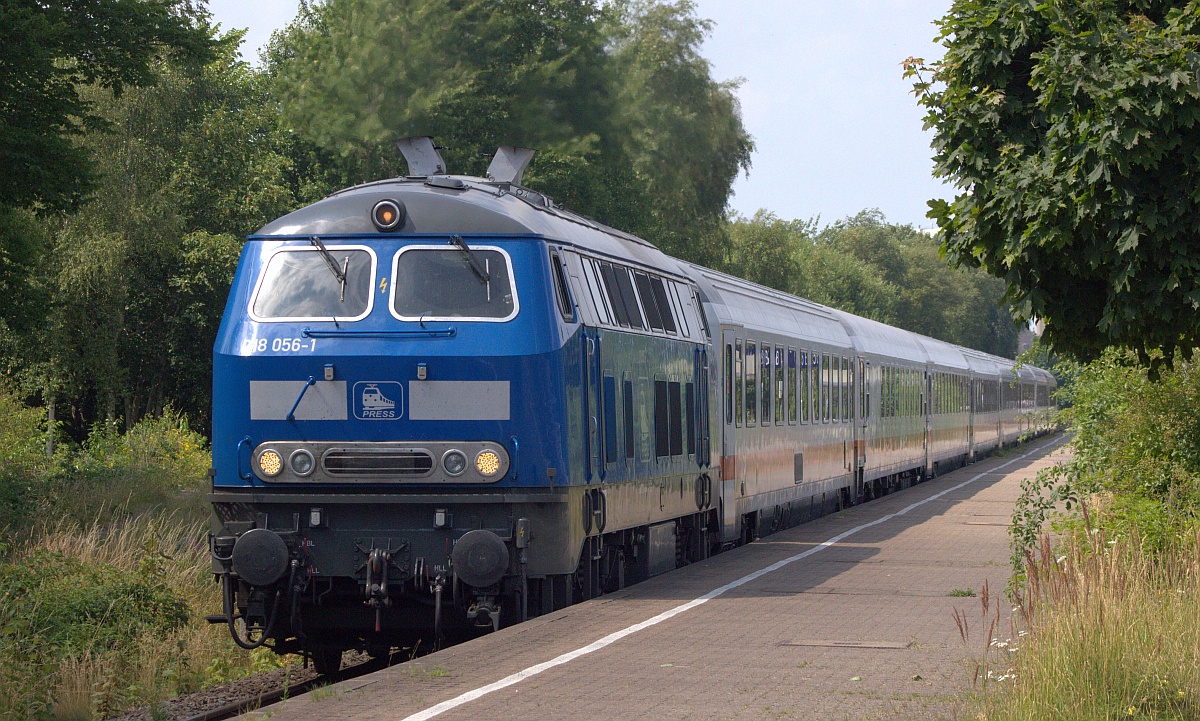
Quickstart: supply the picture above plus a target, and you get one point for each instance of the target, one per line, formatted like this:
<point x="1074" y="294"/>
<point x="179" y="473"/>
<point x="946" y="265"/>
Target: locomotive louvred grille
<point x="382" y="462"/>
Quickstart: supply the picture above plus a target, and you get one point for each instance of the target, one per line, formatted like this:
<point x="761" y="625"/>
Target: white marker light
<point x="314" y="517"/>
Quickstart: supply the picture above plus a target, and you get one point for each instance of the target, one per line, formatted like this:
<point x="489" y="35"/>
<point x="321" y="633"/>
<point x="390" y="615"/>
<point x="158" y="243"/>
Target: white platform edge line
<point x="615" y="636"/>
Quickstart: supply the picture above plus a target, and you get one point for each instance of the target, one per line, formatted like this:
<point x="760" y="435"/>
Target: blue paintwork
<point x="531" y="350"/>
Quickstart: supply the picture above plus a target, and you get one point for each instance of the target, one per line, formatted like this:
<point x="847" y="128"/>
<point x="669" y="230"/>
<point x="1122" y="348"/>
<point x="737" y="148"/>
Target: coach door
<point x="731" y="406"/>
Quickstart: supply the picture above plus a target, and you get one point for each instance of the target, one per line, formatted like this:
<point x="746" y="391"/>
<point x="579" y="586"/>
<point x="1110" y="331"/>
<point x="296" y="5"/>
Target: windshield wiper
<point x="340" y="274"/>
<point x="484" y="276"/>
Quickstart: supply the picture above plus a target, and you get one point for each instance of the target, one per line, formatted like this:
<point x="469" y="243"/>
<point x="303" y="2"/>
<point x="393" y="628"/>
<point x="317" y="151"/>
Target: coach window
<point x="766" y="384"/>
<point x="833" y="370"/>
<point x="654" y="313"/>
<point x="791" y="386"/>
<point x="683" y="313"/>
<point x="862" y="386"/>
<point x="738" y="381"/>
<point x="818" y="391"/>
<point x="661" y="420"/>
<point x="659" y="294"/>
<point x="565" y="307"/>
<point x="595" y="290"/>
<point x="780" y="378"/>
<point x="805" y="400"/>
<point x="867" y="391"/>
<point x="839" y="389"/>
<point x="884" y="396"/>
<point x="848" y="404"/>
<point x="826" y="387"/>
<point x="751" y="383"/>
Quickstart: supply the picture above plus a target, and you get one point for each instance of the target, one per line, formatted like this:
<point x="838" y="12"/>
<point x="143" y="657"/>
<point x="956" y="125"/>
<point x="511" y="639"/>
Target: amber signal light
<point x="387" y="215"/>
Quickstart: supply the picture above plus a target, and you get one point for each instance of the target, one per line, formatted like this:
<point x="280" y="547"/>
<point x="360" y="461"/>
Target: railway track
<point x="254" y="692"/>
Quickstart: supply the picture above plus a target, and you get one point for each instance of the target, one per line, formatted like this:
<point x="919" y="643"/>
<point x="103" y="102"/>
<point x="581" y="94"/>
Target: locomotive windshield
<point x="440" y="283"/>
<point x="299" y="284"/>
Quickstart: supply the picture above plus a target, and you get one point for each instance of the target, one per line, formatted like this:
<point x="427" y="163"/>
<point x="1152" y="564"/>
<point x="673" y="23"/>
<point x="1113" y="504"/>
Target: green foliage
<point x="867" y="266"/>
<point x="133" y="284"/>
<point x="678" y="129"/>
<point x="47" y="51"/>
<point x="108" y="476"/>
<point x="1101" y="631"/>
<point x="61" y="606"/>
<point x="1071" y="131"/>
<point x="100" y="618"/>
<point x="1135" y="461"/>
<point x="631" y="126"/>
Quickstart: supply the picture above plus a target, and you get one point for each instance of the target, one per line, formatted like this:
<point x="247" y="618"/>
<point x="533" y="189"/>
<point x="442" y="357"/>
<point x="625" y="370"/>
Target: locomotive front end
<point x="388" y="401"/>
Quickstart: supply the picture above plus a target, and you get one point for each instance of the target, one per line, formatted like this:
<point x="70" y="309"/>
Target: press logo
<point x="378" y="400"/>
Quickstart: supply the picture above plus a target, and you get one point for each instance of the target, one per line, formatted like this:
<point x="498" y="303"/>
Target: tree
<point x="1071" y="131"/>
<point x="630" y="126"/>
<point x="887" y="272"/>
<point x="47" y="51"/>
<point x="679" y="129"/>
<point x="137" y="277"/>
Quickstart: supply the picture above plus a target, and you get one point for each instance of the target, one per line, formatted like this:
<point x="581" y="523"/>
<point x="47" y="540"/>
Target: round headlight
<point x="302" y="462"/>
<point x="270" y="463"/>
<point x="387" y="215"/>
<point x="454" y="462"/>
<point x="487" y="463"/>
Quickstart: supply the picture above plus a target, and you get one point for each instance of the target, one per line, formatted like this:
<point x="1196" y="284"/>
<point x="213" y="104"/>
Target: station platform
<point x="849" y="616"/>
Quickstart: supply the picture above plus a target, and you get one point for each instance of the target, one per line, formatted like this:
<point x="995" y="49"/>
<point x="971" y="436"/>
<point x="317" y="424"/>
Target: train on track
<point x="445" y="403"/>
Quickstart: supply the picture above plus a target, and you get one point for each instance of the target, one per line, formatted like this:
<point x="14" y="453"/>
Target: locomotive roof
<point x="464" y="205"/>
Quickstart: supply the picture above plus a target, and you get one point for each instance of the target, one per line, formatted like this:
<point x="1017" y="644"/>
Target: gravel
<point x="243" y="689"/>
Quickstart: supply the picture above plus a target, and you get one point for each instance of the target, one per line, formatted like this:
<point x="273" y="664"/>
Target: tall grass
<point x="1102" y="630"/>
<point x="66" y="657"/>
<point x="104" y="570"/>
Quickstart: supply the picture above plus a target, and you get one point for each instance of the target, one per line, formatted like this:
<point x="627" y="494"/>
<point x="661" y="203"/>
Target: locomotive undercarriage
<point x="324" y="573"/>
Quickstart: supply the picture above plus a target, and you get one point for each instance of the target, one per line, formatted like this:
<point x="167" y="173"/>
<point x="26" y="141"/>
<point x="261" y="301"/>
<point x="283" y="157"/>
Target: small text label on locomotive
<point x="378" y="400"/>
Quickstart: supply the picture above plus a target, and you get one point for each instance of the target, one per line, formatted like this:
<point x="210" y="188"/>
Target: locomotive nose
<point x="260" y="557"/>
<point x="480" y="558"/>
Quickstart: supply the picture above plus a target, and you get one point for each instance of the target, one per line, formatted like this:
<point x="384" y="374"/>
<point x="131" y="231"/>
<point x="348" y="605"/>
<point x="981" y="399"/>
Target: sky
<point x="836" y="128"/>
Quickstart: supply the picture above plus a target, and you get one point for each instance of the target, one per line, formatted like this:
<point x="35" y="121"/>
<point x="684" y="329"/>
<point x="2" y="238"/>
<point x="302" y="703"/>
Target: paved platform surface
<point x="858" y="628"/>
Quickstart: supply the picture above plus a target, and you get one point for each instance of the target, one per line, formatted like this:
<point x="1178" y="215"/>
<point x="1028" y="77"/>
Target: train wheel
<point x="326" y="660"/>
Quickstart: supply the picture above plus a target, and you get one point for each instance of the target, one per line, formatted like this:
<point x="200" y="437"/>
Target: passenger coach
<point x="443" y="403"/>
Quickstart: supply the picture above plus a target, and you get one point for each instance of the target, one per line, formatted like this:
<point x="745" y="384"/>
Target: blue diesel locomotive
<point x="444" y="403"/>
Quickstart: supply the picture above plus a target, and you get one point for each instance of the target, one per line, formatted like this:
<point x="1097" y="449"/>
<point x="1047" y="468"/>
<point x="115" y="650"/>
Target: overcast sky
<point x="836" y="128"/>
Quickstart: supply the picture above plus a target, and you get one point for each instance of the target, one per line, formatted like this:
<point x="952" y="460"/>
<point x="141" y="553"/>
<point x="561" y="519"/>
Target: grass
<point x="105" y="619"/>
<point x="323" y="693"/>
<point x="1103" y="630"/>
<point x="104" y="571"/>
<point x="961" y="593"/>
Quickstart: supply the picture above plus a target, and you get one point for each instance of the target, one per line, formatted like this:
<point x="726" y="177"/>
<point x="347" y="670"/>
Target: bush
<point x="1135" y="459"/>
<point x="96" y="620"/>
<point x="160" y="462"/>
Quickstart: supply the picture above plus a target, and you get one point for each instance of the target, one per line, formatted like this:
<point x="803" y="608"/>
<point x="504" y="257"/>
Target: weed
<point x="961" y="593"/>
<point x="1097" y="634"/>
<point x="323" y="692"/>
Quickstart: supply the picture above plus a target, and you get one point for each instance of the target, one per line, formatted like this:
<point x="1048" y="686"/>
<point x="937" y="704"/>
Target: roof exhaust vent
<point x="422" y="156"/>
<point x="509" y="164"/>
